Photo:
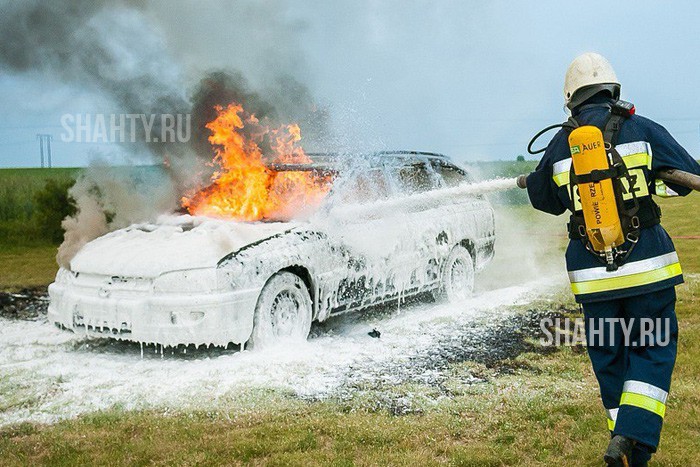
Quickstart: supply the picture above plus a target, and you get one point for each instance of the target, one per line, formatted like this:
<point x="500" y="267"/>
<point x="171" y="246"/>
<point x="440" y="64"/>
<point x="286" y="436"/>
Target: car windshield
<point x="300" y="188"/>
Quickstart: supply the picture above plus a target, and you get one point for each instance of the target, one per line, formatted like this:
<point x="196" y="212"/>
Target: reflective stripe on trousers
<point x="645" y="396"/>
<point x="642" y="395"/>
<point x="612" y="417"/>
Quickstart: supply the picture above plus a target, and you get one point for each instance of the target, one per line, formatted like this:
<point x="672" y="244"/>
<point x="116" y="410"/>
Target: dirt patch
<point x="27" y="304"/>
<point x="496" y="345"/>
<point x="493" y="343"/>
<point x="489" y="344"/>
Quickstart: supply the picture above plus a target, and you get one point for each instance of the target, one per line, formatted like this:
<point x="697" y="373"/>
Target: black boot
<point x="619" y="451"/>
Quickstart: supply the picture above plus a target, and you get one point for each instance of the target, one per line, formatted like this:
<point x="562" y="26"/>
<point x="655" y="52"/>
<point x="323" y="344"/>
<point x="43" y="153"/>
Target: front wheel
<point x="457" y="282"/>
<point x="283" y="312"/>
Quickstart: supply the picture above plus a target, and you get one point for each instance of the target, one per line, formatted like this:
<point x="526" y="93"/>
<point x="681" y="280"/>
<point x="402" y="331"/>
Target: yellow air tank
<point x="603" y="226"/>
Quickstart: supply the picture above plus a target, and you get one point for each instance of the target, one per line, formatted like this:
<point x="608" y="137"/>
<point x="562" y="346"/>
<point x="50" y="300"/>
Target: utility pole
<point x="41" y="149"/>
<point x="45" y="148"/>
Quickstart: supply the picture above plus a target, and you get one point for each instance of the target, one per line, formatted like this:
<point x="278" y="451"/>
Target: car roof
<point x="336" y="161"/>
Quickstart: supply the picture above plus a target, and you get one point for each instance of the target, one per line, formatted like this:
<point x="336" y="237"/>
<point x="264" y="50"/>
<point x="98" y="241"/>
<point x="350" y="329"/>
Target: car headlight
<point x="64" y="276"/>
<point x="187" y="281"/>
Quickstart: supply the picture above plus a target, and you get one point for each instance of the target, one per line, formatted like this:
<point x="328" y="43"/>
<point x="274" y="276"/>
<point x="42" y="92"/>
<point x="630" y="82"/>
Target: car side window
<point x="449" y="174"/>
<point x="366" y="186"/>
<point x="415" y="178"/>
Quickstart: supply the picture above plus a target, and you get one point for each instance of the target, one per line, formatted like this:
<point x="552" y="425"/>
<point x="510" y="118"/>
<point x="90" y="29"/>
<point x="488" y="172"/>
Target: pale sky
<point x="474" y="80"/>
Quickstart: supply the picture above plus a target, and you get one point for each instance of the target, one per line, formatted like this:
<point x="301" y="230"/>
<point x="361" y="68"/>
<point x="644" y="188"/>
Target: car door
<point x="359" y="229"/>
<point x="464" y="217"/>
<point x="414" y="265"/>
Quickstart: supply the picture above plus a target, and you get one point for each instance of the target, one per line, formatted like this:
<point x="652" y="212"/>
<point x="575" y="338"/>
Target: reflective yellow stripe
<point x="641" y="159"/>
<point x="611" y="424"/>
<point x="638" y="147"/>
<point x="624" y="282"/>
<point x="662" y="190"/>
<point x="612" y="417"/>
<point x="562" y="178"/>
<point x="643" y="402"/>
<point x="627" y="269"/>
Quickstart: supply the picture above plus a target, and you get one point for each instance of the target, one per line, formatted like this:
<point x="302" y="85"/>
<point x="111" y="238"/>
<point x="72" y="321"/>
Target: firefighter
<point x="634" y="374"/>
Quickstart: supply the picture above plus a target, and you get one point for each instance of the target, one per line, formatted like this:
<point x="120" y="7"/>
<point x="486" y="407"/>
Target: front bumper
<point x="216" y="318"/>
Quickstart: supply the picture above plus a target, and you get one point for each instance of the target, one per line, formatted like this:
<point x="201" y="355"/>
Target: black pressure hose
<point x="540" y="133"/>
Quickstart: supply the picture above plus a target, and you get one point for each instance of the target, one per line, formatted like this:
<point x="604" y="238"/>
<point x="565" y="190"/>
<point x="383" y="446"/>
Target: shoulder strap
<point x="611" y="131"/>
<point x="571" y="124"/>
<point x="619" y="111"/>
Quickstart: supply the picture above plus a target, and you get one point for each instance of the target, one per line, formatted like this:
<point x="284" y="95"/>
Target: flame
<point x="245" y="188"/>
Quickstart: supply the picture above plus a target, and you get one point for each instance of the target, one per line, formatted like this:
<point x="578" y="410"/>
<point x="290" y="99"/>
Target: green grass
<point x="680" y="219"/>
<point x="546" y="413"/>
<point x="27" y="266"/>
<point x="32" y="205"/>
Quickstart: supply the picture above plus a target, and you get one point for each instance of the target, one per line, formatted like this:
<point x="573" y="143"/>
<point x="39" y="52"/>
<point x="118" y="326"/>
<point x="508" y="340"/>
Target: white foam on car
<point x="425" y="199"/>
<point x="172" y="243"/>
<point x="48" y="375"/>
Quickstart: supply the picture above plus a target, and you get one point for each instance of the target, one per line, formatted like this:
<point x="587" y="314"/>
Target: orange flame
<point x="245" y="188"/>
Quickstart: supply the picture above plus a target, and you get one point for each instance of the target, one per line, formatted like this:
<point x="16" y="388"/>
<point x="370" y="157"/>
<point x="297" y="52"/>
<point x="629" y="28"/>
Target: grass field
<point x="27" y="266"/>
<point x="26" y="255"/>
<point x="546" y="412"/>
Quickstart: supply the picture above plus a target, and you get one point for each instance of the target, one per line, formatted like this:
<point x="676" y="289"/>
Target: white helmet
<point x="587" y="75"/>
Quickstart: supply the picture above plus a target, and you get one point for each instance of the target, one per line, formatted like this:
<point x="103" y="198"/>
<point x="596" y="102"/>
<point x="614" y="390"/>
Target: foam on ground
<point x="48" y="375"/>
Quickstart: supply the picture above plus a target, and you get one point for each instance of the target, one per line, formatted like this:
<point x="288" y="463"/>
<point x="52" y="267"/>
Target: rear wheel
<point x="457" y="275"/>
<point x="283" y="312"/>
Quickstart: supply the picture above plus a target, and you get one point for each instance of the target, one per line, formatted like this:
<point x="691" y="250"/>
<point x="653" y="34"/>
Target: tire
<point x="283" y="312"/>
<point x="457" y="282"/>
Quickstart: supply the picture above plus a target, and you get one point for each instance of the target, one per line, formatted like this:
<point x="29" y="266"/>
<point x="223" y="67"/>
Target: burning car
<point x="198" y="280"/>
<point x="272" y="245"/>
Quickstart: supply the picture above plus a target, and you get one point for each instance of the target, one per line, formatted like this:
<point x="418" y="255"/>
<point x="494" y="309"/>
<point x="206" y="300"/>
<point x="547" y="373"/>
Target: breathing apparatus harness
<point x="634" y="214"/>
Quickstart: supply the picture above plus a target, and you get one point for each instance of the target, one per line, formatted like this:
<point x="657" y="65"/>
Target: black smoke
<point x="285" y="102"/>
<point x="115" y="49"/>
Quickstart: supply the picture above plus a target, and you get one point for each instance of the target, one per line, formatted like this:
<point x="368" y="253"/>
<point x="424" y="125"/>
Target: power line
<point x="28" y="127"/>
